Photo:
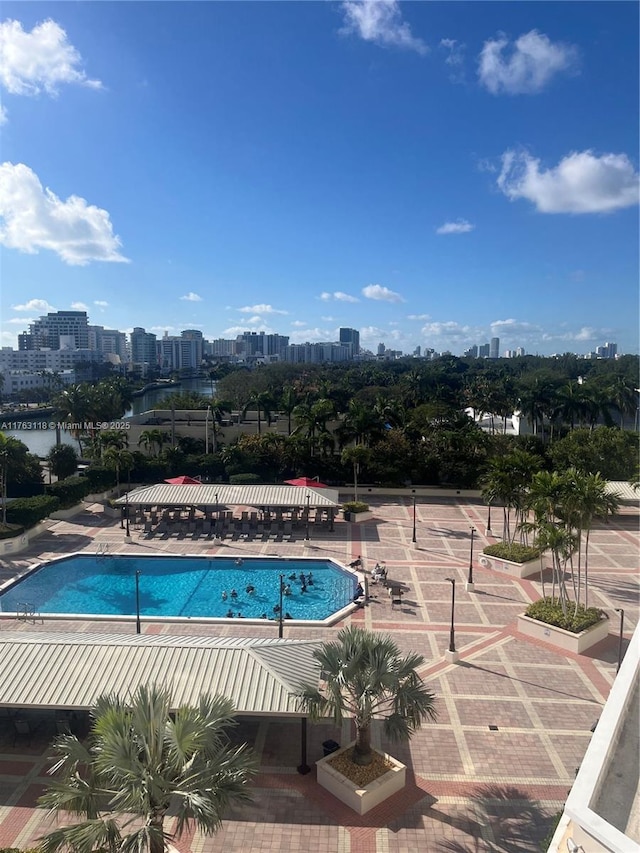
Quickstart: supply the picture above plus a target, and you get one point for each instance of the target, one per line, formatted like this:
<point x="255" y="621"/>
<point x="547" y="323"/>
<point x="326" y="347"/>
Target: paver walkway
<point x="514" y="715"/>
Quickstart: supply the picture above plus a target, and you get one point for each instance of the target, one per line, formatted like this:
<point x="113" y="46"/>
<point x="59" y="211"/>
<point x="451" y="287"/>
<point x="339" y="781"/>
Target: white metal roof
<point x="219" y="495"/>
<point x="624" y="490"/>
<point x="61" y="670"/>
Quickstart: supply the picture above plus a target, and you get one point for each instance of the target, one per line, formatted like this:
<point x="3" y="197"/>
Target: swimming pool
<point x="183" y="587"/>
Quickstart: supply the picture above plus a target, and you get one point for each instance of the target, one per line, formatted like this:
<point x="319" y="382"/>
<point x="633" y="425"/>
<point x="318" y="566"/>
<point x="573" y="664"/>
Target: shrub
<point x="70" y="491"/>
<point x="29" y="511"/>
<point x="355" y="506"/>
<point x="99" y="478"/>
<point x="546" y="841"/>
<point x="244" y="479"/>
<point x="515" y="552"/>
<point x="549" y="611"/>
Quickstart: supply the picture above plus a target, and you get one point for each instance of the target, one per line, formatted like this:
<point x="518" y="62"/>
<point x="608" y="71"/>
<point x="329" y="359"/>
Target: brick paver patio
<point x="471" y="788"/>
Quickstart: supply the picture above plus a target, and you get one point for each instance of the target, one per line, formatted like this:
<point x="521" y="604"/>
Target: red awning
<point x="307" y="483"/>
<point x="183" y="481"/>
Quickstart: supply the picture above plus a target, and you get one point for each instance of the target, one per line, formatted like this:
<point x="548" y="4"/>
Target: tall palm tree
<point x="366" y="677"/>
<point x="153" y="440"/>
<point x="140" y="756"/>
<point x="289" y="399"/>
<point x="356" y="455"/>
<point x="72" y="406"/>
<point x="624" y="397"/>
<point x="262" y="401"/>
<point x="120" y="460"/>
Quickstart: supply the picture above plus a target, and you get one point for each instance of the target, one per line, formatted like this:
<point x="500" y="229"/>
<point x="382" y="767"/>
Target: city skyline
<point x="432" y="175"/>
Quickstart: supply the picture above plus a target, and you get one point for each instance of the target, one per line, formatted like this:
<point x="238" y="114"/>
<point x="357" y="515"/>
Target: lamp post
<point x="451" y="654"/>
<point x="620" y="636"/>
<point x="413" y="537"/>
<point x="138" y="601"/>
<point x="127" y="534"/>
<point x="280" y="618"/>
<point x="308" y="510"/>
<point x="206" y="431"/>
<point x="469" y="586"/>
<point x="489" y="531"/>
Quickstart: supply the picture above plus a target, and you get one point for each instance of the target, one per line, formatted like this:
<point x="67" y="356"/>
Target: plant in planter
<point x="354" y="508"/>
<point x="366" y="677"/>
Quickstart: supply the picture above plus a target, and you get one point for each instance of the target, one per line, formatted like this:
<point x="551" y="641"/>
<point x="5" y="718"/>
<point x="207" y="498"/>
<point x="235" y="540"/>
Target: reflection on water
<point x="40" y="441"/>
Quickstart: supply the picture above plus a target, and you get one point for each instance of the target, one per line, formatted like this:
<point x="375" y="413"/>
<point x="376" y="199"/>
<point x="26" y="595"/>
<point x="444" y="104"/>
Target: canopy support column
<point x="303" y="767"/>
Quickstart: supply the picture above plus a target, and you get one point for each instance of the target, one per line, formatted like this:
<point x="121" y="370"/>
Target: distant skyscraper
<point x="350" y="337"/>
<point x="143" y="347"/>
<point x="381" y="348"/>
<point x="45" y="333"/>
<point x="494" y="348"/>
<point x="483" y="351"/>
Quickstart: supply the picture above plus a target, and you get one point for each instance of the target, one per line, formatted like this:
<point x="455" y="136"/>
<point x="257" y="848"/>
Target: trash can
<point x="330" y="746"/>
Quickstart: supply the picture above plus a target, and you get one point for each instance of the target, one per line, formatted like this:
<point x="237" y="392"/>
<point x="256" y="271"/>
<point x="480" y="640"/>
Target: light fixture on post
<point x="280" y="614"/>
<point x="308" y="499"/>
<point x="206" y="431"/>
<point x="451" y="654"/>
<point x="620" y="636"/>
<point x="469" y="586"/>
<point x="127" y="534"/>
<point x="138" y="601"/>
<point x="489" y="530"/>
<point x="413" y="537"/>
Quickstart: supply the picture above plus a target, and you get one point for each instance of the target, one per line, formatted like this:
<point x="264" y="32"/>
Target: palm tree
<point x="288" y="401"/>
<point x="153" y="440"/>
<point x="263" y="402"/>
<point x="72" y="406"/>
<point x="366" y="677"/>
<point x="141" y="756"/>
<point x="119" y="460"/>
<point x="356" y="455"/>
<point x="624" y="397"/>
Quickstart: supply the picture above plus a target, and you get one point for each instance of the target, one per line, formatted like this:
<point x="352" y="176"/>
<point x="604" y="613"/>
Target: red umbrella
<point x="183" y="481"/>
<point x="307" y="483"/>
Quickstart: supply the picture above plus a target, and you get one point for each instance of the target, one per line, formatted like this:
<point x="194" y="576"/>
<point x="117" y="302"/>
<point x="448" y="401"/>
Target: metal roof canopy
<point x="218" y="495"/>
<point x="69" y="671"/>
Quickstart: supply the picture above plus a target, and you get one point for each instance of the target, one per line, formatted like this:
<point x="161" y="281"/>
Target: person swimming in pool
<point x="229" y="614"/>
<point x="224" y="595"/>
<point x="234" y="594"/>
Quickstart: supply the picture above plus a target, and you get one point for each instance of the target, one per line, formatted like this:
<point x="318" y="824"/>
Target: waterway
<point x="40" y="440"/>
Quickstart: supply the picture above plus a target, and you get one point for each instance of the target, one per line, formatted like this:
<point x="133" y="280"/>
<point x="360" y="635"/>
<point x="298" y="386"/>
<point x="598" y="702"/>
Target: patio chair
<point x="396" y="596"/>
<point x="288" y="528"/>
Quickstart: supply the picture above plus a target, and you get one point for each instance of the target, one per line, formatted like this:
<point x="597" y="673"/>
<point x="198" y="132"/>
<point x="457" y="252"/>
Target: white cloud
<point x="35" y="305"/>
<point x="454" y="59"/>
<point x="256" y="320"/>
<point x="515" y="330"/>
<point x="533" y="61"/>
<point x="339" y="296"/>
<point x="299" y="323"/>
<point x="162" y="329"/>
<point x="260" y="309"/>
<point x="233" y="331"/>
<point x="33" y="218"/>
<point x="40" y="60"/>
<point x="4" y="115"/>
<point x="450" y="331"/>
<point x="100" y="302"/>
<point x="460" y="226"/>
<point x="581" y="182"/>
<point x="380" y="293"/>
<point x="314" y="335"/>
<point x="79" y="306"/>
<point x="21" y="321"/>
<point x="328" y="319"/>
<point x="586" y="333"/>
<point x="418" y="317"/>
<point x="380" y="22"/>
<point x="191" y="297"/>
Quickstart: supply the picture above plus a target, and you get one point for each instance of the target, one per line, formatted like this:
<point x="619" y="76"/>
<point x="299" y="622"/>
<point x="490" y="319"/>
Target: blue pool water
<point x="181" y="586"/>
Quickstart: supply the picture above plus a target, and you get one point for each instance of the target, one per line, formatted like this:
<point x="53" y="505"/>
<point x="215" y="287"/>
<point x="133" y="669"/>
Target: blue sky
<point x="430" y="173"/>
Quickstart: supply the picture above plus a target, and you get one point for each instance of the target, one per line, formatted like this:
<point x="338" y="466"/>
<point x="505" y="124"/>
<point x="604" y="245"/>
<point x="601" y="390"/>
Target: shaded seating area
<point x="229" y="512"/>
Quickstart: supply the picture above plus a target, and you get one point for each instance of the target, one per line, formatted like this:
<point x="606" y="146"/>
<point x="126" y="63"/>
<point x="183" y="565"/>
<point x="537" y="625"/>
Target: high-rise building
<point x="143" y="348"/>
<point x="177" y="353"/>
<point x="108" y="341"/>
<point x="609" y="350"/>
<point x="381" y="349"/>
<point x="197" y="336"/>
<point x="494" y="348"/>
<point x="260" y="344"/>
<point x="484" y="351"/>
<point x="472" y="352"/>
<point x="350" y="337"/>
<point x="46" y="332"/>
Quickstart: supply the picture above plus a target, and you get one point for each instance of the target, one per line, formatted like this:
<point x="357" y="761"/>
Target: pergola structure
<point x="55" y="675"/>
<point x="210" y="508"/>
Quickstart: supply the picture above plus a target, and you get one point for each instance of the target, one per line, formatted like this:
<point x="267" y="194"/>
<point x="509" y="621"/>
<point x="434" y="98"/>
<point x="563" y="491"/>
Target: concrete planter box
<point x="508" y="567"/>
<point x="565" y="640"/>
<point x="354" y="517"/>
<point x="361" y="800"/>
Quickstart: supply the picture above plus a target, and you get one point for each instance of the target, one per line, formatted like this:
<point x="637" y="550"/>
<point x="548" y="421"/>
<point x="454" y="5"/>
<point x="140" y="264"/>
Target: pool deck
<point x="470" y="789"/>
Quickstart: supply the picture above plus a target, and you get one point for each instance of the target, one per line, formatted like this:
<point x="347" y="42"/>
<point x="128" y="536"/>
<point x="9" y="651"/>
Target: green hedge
<point x="99" y="478"/>
<point x="70" y="491"/>
<point x="355" y="506"/>
<point x="29" y="511"/>
<point x="548" y="610"/>
<point x="515" y="552"/>
<point x="11" y="530"/>
<point x="245" y="479"/>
